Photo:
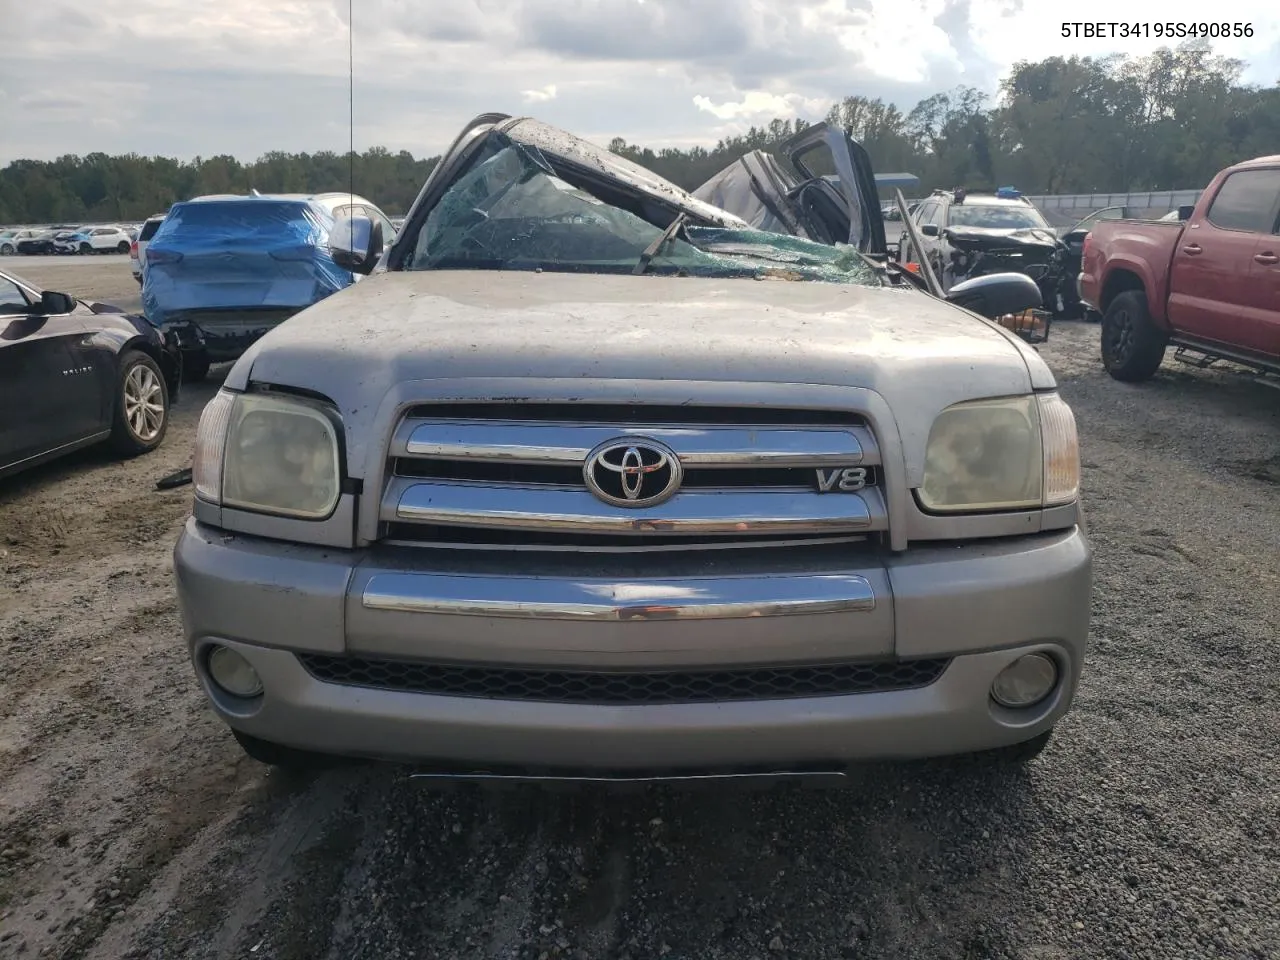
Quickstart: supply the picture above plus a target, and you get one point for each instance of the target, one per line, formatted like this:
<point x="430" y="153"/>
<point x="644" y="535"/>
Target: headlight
<point x="1061" y="450"/>
<point x="268" y="453"/>
<point x="211" y="441"/>
<point x="1016" y="453"/>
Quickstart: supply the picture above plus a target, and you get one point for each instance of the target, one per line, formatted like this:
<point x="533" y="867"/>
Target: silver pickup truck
<point x="590" y="479"/>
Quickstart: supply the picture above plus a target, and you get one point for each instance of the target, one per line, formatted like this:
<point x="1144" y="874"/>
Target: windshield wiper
<point x="651" y="251"/>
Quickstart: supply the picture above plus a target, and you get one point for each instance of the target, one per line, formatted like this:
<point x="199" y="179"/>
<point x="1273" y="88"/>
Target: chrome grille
<point x="624" y="413"/>
<point x="750" y="476"/>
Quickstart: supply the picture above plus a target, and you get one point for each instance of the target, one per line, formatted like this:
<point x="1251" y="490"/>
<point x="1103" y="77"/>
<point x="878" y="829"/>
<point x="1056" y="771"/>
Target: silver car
<point x="590" y="479"/>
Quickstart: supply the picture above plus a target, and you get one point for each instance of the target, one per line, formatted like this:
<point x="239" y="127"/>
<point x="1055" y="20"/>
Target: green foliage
<point x="99" y="188"/>
<point x="1166" y="121"/>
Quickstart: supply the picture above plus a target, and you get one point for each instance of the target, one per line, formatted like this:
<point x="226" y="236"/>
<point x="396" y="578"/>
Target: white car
<point x="138" y="249"/>
<point x="9" y="240"/>
<point x="93" y="240"/>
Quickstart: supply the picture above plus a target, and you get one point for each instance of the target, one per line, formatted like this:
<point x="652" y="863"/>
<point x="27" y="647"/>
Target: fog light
<point x="233" y="673"/>
<point x="1026" y="681"/>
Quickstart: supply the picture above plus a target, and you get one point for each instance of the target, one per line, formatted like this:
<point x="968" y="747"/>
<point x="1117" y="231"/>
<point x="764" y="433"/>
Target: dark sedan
<point x="37" y="242"/>
<point x="75" y="373"/>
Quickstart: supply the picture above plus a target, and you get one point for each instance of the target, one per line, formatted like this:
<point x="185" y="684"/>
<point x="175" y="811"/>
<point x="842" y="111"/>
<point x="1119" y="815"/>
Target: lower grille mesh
<point x="564" y="686"/>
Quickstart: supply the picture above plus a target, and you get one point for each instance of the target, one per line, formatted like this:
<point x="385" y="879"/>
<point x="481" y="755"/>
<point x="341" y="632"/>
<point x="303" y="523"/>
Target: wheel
<point x="7" y="250"/>
<point x="142" y="405"/>
<point x="122" y="247"/>
<point x="1017" y="754"/>
<point x="194" y="368"/>
<point x="86" y="248"/>
<point x="1132" y="345"/>
<point x="286" y="758"/>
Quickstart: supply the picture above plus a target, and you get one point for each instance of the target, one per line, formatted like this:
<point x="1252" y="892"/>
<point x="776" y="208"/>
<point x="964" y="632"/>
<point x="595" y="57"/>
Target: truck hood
<point x="418" y="329"/>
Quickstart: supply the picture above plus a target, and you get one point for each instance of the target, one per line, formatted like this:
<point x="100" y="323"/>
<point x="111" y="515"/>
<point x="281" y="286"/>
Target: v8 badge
<point x="842" y="480"/>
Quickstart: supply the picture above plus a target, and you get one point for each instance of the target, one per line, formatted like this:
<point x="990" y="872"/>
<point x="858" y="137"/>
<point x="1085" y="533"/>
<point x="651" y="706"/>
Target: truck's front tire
<point x="290" y="759"/>
<point x="1132" y="345"/>
<point x="1019" y="753"/>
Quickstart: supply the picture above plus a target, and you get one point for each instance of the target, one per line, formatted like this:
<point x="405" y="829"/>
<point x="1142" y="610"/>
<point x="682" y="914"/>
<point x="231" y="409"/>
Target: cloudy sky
<point x="201" y="77"/>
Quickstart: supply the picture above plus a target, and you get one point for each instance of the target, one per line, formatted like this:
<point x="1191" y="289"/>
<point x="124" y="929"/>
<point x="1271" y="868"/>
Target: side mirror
<point x="929" y="229"/>
<point x="996" y="294"/>
<point x="1185" y="212"/>
<point x="52" y="304"/>
<point x="355" y="244"/>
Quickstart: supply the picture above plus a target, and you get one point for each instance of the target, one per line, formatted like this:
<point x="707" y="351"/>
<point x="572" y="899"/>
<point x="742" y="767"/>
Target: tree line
<point x="1165" y="121"/>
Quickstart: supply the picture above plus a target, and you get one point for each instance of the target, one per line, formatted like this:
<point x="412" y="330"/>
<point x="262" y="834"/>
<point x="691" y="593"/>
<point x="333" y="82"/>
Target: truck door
<point x="1264" y="292"/>
<point x="936" y="246"/>
<point x="1214" y="292"/>
<point x="928" y="213"/>
<point x="851" y="197"/>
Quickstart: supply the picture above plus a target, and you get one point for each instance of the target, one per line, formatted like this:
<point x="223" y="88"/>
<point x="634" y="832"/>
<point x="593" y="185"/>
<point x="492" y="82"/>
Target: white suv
<point x="93" y="240"/>
<point x="138" y="249"/>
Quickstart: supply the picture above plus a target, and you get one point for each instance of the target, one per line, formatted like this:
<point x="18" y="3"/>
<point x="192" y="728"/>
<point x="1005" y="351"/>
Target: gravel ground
<point x="131" y="826"/>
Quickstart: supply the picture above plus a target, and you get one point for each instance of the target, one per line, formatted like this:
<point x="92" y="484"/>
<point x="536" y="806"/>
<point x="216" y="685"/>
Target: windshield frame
<point x="608" y="173"/>
<point x="512" y="191"/>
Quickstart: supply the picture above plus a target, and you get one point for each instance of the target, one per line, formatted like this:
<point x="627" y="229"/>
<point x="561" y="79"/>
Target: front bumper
<point x="979" y="606"/>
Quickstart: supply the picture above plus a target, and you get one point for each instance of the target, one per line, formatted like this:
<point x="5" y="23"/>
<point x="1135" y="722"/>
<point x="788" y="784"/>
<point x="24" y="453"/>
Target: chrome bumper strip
<point x="600" y="599"/>
<point x="695" y="512"/>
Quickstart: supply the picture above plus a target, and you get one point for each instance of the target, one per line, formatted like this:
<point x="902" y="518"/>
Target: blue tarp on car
<point x="240" y="253"/>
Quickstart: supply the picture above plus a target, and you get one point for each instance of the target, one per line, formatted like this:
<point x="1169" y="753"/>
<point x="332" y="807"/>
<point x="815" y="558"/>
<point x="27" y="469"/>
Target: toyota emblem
<point x="633" y="472"/>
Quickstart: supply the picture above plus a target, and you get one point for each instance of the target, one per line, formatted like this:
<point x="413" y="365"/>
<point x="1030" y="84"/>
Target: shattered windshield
<point x="995" y="217"/>
<point x="512" y="211"/>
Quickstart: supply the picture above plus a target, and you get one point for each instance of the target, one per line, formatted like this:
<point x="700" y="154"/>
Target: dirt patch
<point x="1264" y="471"/>
<point x="104" y="278"/>
<point x="131" y="826"/>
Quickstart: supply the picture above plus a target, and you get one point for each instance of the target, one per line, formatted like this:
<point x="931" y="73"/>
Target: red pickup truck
<point x="1209" y="286"/>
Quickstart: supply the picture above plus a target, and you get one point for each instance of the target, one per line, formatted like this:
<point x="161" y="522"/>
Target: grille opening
<point x="481" y="537"/>
<point x="646" y="414"/>
<point x="624" y="688"/>
<point x="488" y="471"/>
<point x="570" y="475"/>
